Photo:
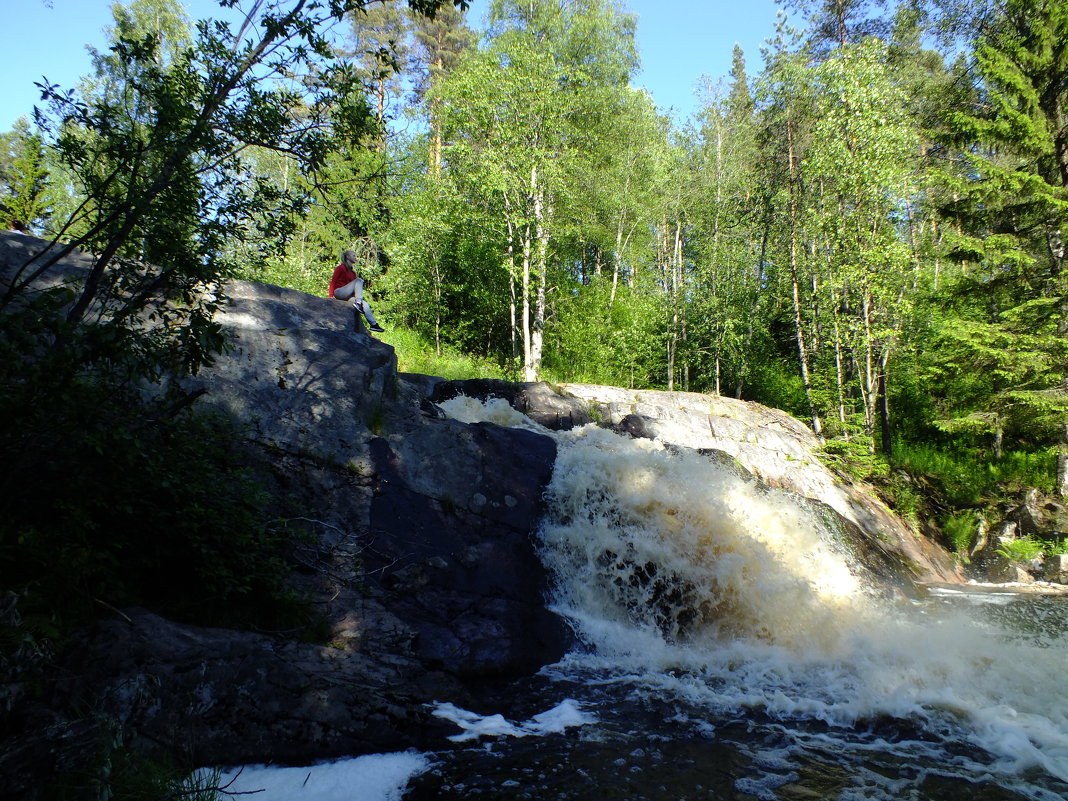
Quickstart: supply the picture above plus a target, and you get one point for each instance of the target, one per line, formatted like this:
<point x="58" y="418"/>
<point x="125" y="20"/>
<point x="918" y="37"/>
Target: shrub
<point x="1023" y="549"/>
<point x="120" y="506"/>
<point x="961" y="529"/>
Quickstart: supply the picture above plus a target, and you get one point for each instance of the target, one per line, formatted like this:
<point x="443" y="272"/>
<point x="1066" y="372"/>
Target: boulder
<point x="1055" y="568"/>
<point x="536" y="399"/>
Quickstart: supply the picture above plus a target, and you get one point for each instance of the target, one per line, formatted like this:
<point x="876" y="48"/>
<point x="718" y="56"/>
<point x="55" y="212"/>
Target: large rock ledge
<point x="421" y="566"/>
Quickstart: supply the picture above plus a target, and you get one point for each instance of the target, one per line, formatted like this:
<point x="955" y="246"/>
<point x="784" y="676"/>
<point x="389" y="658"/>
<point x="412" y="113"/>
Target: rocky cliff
<point x="420" y="558"/>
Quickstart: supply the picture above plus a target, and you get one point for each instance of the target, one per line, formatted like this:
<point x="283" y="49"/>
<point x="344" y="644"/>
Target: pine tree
<point x="379" y="47"/>
<point x="438" y="43"/>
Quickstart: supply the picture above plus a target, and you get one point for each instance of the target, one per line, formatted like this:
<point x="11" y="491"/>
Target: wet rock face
<point x="455" y="556"/>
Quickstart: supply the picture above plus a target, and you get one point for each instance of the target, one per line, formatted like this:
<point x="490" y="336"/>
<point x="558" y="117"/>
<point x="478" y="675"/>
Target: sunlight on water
<point x="688" y="580"/>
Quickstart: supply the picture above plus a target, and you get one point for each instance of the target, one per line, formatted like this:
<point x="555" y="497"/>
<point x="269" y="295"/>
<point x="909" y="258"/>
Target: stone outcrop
<point x="1038" y="517"/>
<point x="418" y="559"/>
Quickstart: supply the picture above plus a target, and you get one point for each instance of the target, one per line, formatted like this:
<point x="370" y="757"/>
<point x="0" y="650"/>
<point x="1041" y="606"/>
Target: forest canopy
<point x="867" y="232"/>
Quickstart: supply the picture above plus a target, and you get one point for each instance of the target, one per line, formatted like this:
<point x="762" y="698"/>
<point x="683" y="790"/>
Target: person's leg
<point x="362" y="304"/>
<point x="348" y="292"/>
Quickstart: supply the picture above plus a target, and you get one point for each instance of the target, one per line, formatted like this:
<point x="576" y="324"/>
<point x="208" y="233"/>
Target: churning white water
<point x="691" y="584"/>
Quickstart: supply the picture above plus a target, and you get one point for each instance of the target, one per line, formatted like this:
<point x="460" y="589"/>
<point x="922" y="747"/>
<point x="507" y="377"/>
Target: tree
<point x="836" y="23"/>
<point x="1006" y="325"/>
<point x="786" y="91"/>
<point x="518" y="116"/>
<point x="90" y="369"/>
<point x="379" y="46"/>
<point x="864" y="146"/>
<point x="439" y="42"/>
<point x="728" y="231"/>
<point x="24" y="179"/>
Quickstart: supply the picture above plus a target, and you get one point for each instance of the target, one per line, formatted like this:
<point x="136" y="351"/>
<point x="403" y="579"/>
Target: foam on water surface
<point x="565" y="715"/>
<point x="374" y="777"/>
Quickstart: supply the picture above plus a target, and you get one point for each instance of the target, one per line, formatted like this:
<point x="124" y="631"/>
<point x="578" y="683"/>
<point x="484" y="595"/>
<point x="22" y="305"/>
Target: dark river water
<point x="676" y="736"/>
<point x="733" y="649"/>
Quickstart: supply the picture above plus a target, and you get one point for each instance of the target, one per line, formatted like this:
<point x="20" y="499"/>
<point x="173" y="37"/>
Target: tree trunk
<point x="1061" y="484"/>
<point x="513" y="311"/>
<point x="871" y="381"/>
<point x="802" y="351"/>
<point x="884" y="408"/>
<point x="839" y="375"/>
<point x="525" y="289"/>
<point x="537" y="333"/>
<point x="676" y="284"/>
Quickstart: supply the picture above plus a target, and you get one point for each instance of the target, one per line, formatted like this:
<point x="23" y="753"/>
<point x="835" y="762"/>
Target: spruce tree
<point x="23" y="179"/>
<point x="1006" y="331"/>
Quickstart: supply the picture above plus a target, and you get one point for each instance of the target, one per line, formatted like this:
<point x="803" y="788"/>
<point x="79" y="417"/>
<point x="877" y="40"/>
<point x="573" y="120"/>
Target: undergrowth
<point x="415" y="354"/>
<point x="971" y="478"/>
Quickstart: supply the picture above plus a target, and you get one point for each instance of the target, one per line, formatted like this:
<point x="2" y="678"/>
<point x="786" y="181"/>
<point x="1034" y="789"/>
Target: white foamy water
<point x="565" y="715"/>
<point x="374" y="777"/>
<point x="686" y="581"/>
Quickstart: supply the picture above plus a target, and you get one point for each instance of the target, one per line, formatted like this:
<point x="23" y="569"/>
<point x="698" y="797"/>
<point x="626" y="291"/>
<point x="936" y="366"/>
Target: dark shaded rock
<point x="232" y="697"/>
<point x="537" y="400"/>
<point x="416" y="552"/>
<point x="637" y="426"/>
<point x="457" y="556"/>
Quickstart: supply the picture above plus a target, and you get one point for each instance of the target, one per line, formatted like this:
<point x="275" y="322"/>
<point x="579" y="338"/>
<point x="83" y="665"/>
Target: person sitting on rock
<point x="346" y="284"/>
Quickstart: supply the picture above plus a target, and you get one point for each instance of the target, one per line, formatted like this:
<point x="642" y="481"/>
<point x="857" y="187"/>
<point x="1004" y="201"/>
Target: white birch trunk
<point x="802" y="351"/>
<point x="537" y="334"/>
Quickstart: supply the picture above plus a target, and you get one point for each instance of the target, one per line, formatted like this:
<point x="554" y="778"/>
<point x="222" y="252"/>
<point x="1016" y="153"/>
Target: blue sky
<point x="680" y="40"/>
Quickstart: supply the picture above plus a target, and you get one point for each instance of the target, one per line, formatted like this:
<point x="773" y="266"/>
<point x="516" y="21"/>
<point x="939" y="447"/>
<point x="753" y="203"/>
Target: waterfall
<point x="689" y="580"/>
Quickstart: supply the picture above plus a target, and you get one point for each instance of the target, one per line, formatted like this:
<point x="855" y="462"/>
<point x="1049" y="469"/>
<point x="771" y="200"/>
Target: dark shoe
<point x="376" y="328"/>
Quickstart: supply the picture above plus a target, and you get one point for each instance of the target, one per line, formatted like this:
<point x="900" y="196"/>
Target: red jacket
<point x="342" y="275"/>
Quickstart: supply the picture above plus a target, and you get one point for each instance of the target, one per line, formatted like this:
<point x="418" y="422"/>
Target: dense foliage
<point x="865" y="233"/>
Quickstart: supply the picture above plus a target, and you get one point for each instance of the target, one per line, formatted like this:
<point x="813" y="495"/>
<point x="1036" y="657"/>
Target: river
<point x="732" y="648"/>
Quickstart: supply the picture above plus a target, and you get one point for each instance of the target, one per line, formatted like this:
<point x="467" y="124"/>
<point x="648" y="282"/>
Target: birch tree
<point x="863" y="149"/>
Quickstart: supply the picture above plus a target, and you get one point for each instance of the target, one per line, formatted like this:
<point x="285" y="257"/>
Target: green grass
<point x="415" y="354"/>
<point x="969" y="478"/>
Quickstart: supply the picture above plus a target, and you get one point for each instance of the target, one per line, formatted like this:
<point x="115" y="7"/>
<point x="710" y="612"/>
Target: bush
<point x="122" y="505"/>
<point x="1023" y="549"/>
